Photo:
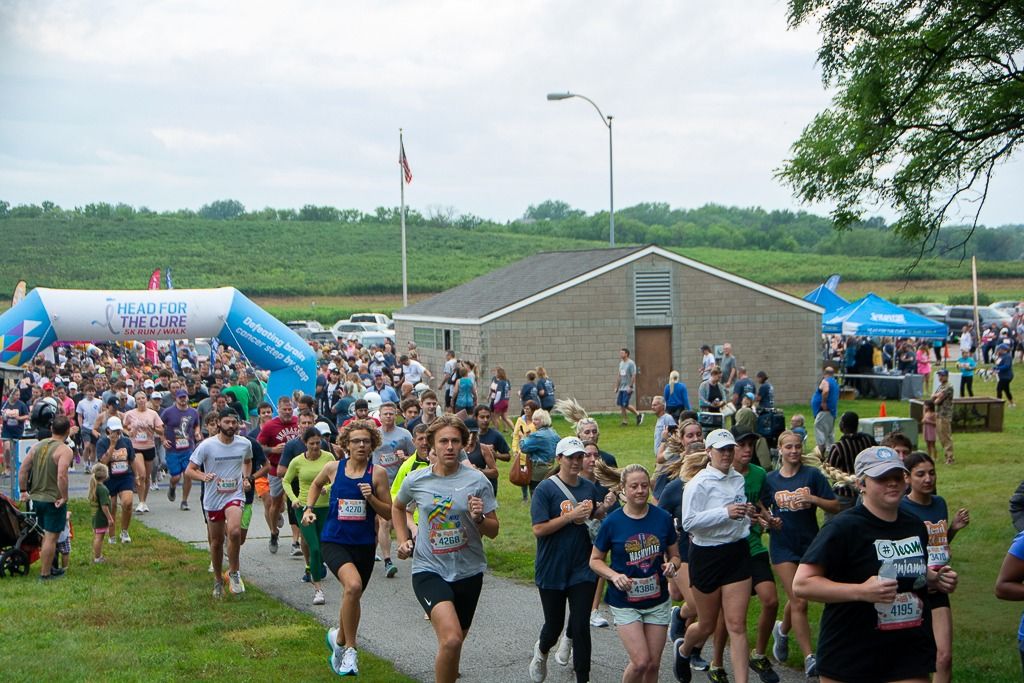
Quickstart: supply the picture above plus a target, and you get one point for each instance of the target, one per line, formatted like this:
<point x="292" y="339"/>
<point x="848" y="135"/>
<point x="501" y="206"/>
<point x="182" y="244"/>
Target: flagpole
<point x="405" y="272"/>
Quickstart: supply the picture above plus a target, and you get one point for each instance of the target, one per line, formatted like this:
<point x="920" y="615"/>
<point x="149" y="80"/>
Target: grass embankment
<point x="289" y="265"/>
<point x="986" y="472"/>
<point x="148" y="615"/>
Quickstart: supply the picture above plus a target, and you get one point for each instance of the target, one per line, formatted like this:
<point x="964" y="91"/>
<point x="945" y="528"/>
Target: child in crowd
<point x="928" y="427"/>
<point x="64" y="544"/>
<point x="796" y="425"/>
<point x="102" y="520"/>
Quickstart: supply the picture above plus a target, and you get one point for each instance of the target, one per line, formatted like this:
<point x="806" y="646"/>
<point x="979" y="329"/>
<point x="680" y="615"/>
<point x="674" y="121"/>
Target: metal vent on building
<point x="652" y="294"/>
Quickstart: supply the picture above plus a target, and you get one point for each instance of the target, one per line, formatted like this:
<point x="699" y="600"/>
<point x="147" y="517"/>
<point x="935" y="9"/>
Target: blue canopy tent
<point x="827" y="299"/>
<point x="873" y="316"/>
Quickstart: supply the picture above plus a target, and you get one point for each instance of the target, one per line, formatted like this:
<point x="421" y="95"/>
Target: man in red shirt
<point x="273" y="436"/>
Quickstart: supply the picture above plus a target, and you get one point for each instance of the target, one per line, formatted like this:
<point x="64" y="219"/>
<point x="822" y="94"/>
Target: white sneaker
<point x="140" y="508"/>
<point x="154" y="486"/>
<point x="318" y="597"/>
<point x="210" y="568"/>
<point x="125" y="538"/>
<point x="564" y="652"/>
<point x="349" y="665"/>
<point x="235" y="584"/>
<point x="218" y="589"/>
<point x="111" y="540"/>
<point x="332" y="639"/>
<point x="538" y="665"/>
<point x="597" y="620"/>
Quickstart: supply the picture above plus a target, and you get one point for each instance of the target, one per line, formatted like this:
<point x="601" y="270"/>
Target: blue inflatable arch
<point x="46" y="316"/>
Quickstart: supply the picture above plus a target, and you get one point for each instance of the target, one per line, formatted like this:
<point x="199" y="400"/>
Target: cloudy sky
<point x="175" y="104"/>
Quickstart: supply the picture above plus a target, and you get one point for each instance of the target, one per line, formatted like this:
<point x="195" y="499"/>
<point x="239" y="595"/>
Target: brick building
<point x="572" y="311"/>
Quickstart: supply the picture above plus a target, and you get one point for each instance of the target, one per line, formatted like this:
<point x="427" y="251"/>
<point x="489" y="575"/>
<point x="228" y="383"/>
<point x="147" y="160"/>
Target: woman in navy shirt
<point x="643" y="543"/>
<point x="796" y="491"/>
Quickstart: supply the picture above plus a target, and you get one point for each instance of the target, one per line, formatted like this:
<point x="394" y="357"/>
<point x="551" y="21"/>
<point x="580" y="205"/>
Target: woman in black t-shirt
<point x="874" y="628"/>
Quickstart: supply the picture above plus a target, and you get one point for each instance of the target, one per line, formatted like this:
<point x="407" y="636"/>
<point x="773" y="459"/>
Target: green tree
<point x="551" y="210"/>
<point x="222" y="209"/>
<point x="929" y="99"/>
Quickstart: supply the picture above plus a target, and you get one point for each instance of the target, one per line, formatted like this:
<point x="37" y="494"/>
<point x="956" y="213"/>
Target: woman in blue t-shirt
<point x="562" y="504"/>
<point x="932" y="510"/>
<point x="796" y="491"/>
<point x="643" y="543"/>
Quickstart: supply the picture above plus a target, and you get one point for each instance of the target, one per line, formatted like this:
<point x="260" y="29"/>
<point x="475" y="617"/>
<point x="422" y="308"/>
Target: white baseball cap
<point x="570" y="445"/>
<point x="720" y="438"/>
<point x="114" y="425"/>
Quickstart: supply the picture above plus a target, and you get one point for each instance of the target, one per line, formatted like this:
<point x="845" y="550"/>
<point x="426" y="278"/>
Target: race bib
<point x="447" y="540"/>
<point x="350" y="510"/>
<point x="647" y="588"/>
<point x="905" y="612"/>
<point x="181" y="443"/>
<point x="119" y="467"/>
<point x="388" y="459"/>
<point x="938" y="555"/>
<point x="227" y="485"/>
<point x="141" y="436"/>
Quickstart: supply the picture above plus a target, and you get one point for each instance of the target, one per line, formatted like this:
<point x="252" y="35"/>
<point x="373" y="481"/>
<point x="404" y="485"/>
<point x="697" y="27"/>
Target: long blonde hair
<point x="100" y="474"/>
<point x="695" y="460"/>
<point x="811" y="459"/>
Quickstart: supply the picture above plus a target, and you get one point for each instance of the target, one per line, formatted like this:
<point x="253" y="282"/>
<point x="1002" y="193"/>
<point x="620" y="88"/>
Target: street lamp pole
<point x="607" y="122"/>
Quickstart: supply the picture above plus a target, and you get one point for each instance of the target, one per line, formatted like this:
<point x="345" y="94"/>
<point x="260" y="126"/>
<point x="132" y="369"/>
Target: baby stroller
<point x="20" y="538"/>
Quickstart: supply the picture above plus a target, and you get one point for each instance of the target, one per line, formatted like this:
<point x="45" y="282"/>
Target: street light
<point x="607" y="121"/>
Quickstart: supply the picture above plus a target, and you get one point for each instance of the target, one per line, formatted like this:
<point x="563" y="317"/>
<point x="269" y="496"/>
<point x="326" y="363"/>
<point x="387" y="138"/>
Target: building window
<point x="424" y="337"/>
<point x="437" y="338"/>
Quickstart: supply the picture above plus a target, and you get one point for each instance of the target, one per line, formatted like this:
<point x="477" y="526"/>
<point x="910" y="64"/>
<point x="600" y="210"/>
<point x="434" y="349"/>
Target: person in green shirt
<point x="240" y="393"/>
<point x="761" y="569"/>
<point x="102" y="519"/>
<point x="256" y="393"/>
<point x="306" y="469"/>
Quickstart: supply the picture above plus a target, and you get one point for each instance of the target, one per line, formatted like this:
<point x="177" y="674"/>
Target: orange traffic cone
<point x="881" y="410"/>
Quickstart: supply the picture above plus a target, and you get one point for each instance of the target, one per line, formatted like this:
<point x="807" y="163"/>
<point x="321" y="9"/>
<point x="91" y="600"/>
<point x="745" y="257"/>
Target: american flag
<point x="404" y="162"/>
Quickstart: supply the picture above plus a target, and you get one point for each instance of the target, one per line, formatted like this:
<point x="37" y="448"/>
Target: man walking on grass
<point x="625" y="386"/>
<point x="48" y="462"/>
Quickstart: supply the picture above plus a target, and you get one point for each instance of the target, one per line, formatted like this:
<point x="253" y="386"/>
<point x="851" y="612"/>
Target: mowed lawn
<point x="988" y="468"/>
<point x="148" y="615"/>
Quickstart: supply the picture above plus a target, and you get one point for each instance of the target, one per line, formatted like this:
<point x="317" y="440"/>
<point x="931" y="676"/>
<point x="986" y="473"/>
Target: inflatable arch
<point x="49" y="315"/>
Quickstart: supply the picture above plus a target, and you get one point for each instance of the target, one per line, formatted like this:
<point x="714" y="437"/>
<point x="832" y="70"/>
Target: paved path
<point x="500" y="643"/>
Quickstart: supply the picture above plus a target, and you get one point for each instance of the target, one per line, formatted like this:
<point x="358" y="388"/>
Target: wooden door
<point x="653" y="362"/>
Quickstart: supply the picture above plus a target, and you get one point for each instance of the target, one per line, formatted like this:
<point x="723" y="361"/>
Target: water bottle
<point x="886" y="571"/>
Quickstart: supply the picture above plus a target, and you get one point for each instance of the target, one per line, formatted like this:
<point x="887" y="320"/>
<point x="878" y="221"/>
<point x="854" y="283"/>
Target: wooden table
<point x="971" y="414"/>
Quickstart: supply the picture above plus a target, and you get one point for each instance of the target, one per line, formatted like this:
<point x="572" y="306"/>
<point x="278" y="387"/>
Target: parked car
<point x="304" y="328"/>
<point x="343" y="329"/>
<point x="322" y="337"/>
<point x="1009" y="307"/>
<point x="375" y="339"/>
<point x="375" y="318"/>
<point x="958" y="316"/>
<point x="936" y="312"/>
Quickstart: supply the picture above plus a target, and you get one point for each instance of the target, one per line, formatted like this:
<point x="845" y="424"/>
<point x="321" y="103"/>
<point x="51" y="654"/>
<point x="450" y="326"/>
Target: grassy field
<point x="346" y="267"/>
<point x="985" y="475"/>
<point x="144" y="616"/>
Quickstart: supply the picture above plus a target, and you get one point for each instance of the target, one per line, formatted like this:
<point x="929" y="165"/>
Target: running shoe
<point x="639" y="419"/>
<point x="125" y="538"/>
<point x="390" y="570"/>
<point x="88" y="468"/>
<point x="218" y="589"/>
<point x="140" y="508"/>
<point x="332" y="639"/>
<point x="345" y="662"/>
<point x="760" y="665"/>
<point x="235" y="584"/>
<point x="780" y="644"/>
<point x="597" y="620"/>
<point x="564" y="652"/>
<point x="210" y="568"/>
<point x="50" y="577"/>
<point x="145" y="507"/>
<point x="296" y="550"/>
<point x="377" y="558"/>
<point x="273" y="544"/>
<point x="716" y="675"/>
<point x="155" y="486"/>
<point x="172" y="493"/>
<point x="99" y="560"/>
<point x="681" y="664"/>
<point x="184" y="505"/>
<point x="676" y="626"/>
<point x="318" y="597"/>
<point x="698" y="663"/>
<point x="538" y="665"/>
<point x="810" y="665"/>
<point x="307" y="577"/>
<point x="111" y="540"/>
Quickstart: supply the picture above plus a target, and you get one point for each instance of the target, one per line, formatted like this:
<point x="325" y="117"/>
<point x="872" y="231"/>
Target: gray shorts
<point x="276" y="486"/>
<point x="658" y="615"/>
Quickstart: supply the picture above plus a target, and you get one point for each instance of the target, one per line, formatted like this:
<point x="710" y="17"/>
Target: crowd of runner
<point x="378" y="464"/>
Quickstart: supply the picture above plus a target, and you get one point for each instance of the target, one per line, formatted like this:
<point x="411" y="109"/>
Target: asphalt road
<point x="499" y="647"/>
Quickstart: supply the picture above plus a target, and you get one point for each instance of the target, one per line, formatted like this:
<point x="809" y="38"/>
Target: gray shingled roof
<point x="515" y="282"/>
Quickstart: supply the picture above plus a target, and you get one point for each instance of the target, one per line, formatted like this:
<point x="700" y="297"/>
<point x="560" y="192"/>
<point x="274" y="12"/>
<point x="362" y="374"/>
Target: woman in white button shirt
<point x="717" y="516"/>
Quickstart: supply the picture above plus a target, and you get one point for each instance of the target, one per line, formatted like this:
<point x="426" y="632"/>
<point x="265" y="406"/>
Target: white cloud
<point x="183" y="140"/>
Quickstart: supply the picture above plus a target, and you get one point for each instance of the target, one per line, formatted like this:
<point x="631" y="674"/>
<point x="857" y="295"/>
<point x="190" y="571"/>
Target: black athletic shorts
<point x="760" y="570"/>
<point x="148" y="454"/>
<point x="336" y="555"/>
<point x="712" y="567"/>
<point x="431" y="589"/>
